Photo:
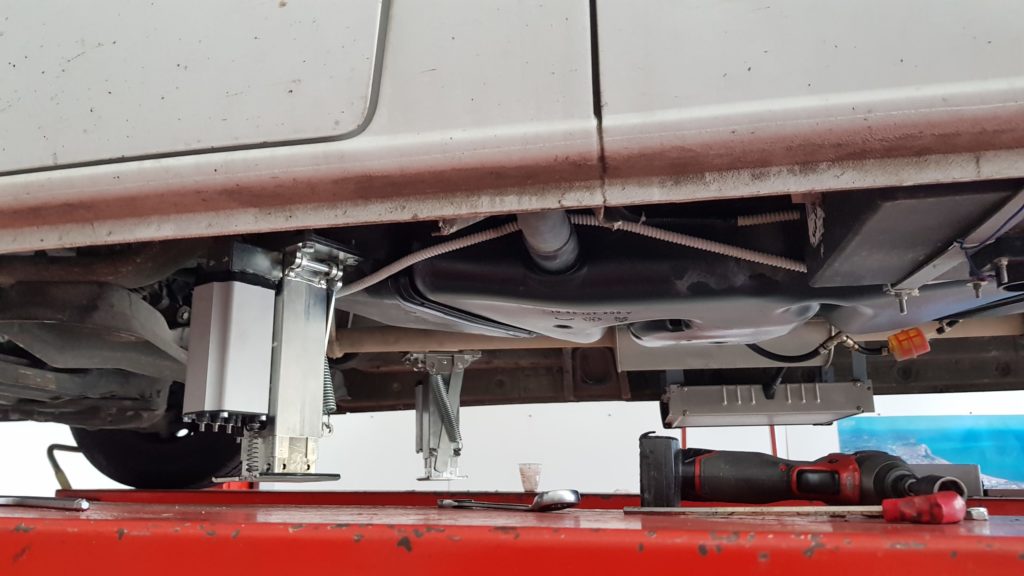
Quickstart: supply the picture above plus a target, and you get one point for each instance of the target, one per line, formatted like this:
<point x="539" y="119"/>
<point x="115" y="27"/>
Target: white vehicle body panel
<point x="472" y="95"/>
<point x="488" y="107"/>
<point x="712" y="86"/>
<point x="91" y="82"/>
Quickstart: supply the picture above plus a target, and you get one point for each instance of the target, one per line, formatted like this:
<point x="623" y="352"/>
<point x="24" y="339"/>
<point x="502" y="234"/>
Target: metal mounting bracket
<point x="438" y="436"/>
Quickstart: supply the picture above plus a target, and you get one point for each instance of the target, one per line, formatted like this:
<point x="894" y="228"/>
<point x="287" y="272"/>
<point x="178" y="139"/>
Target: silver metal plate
<point x="229" y="349"/>
<point x="746" y="405"/>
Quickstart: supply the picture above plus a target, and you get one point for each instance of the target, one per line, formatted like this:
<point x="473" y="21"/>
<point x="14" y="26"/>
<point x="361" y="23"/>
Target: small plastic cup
<point x="529" y="473"/>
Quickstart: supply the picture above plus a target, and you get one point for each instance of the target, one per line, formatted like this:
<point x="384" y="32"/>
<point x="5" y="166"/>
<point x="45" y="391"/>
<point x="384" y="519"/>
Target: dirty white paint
<point x="487" y="108"/>
<point x="90" y="81"/>
<point x="712" y="78"/>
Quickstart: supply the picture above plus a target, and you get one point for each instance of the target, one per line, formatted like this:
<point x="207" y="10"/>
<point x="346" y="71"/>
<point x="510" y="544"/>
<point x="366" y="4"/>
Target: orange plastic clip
<point x="907" y="344"/>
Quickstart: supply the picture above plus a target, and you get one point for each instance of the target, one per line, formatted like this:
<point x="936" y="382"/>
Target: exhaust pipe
<point x="551" y="240"/>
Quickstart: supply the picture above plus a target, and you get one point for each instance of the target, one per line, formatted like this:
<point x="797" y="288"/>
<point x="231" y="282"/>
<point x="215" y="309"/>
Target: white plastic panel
<point x="93" y="81"/>
<point x="702" y="85"/>
<point x="230" y="343"/>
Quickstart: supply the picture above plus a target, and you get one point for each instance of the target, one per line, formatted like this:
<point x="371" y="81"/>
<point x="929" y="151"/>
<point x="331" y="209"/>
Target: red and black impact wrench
<point x="669" y="475"/>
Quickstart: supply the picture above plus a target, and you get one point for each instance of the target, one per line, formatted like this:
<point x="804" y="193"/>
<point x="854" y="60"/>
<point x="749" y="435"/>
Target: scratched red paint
<point x="166" y="538"/>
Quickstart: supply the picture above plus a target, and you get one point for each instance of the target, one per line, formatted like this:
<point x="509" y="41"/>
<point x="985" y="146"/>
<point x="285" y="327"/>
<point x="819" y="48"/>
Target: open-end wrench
<point x="544" y="502"/>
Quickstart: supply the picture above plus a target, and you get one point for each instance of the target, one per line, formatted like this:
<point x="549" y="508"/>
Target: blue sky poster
<point x="995" y="443"/>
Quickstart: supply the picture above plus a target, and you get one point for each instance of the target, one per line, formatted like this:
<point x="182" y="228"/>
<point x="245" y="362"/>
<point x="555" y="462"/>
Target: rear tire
<point x="149" y="460"/>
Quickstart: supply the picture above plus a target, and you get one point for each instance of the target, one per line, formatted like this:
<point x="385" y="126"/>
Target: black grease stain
<point x="763" y="557"/>
<point x="417" y="532"/>
<point x="640" y="547"/>
<point x="20" y="554"/>
<point x="404" y="542"/>
<point x="210" y="533"/>
<point x="651" y="533"/>
<point x="340" y="526"/>
<point x="429" y="529"/>
<point x="23" y="528"/>
<point x="235" y="534"/>
<point x="702" y="549"/>
<point x="512" y="530"/>
<point x="120" y="533"/>
<point x="815" y="545"/>
<point x="357" y="537"/>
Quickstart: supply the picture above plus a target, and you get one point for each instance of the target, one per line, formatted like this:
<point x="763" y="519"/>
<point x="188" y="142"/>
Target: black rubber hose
<point x="880" y="351"/>
<point x="784" y="358"/>
<point x="985" y="308"/>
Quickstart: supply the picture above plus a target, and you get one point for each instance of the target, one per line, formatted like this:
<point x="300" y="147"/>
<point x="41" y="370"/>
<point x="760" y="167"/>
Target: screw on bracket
<point x="902" y="295"/>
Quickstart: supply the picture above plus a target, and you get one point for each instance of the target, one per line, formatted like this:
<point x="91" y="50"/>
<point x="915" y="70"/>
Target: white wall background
<point x="25" y="471"/>
<point x="588" y="446"/>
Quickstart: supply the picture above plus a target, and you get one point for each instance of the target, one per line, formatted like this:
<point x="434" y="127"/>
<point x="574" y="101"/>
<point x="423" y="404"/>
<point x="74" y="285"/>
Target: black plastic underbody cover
<point x="626" y="279"/>
<point x="875" y="237"/>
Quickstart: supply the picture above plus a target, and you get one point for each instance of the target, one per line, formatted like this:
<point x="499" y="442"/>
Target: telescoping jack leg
<point x="438" y="434"/>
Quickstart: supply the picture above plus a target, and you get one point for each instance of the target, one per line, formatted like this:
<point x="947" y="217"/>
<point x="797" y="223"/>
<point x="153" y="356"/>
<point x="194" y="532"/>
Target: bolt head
<point x="183" y="315"/>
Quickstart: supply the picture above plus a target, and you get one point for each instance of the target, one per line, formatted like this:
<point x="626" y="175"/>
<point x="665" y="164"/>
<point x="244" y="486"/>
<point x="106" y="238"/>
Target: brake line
<point x="825" y="347"/>
<point x="580" y="220"/>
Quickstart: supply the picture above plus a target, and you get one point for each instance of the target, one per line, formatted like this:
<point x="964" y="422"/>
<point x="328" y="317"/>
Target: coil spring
<point x="451" y="425"/>
<point x="252" y="454"/>
<point x="330" y="403"/>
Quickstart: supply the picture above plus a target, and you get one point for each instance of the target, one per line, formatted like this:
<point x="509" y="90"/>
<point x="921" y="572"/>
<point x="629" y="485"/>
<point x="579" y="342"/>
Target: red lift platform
<point x="254" y="532"/>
